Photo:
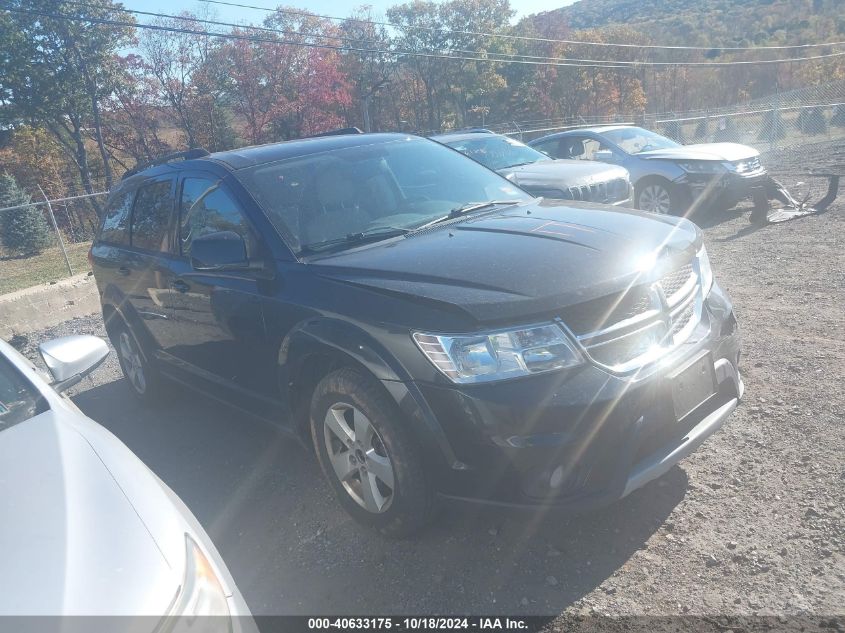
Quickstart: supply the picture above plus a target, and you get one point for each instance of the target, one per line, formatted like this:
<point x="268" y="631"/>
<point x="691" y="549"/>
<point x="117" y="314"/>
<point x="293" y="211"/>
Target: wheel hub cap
<point x="655" y="199"/>
<point x="359" y="458"/>
<point x="132" y="363"/>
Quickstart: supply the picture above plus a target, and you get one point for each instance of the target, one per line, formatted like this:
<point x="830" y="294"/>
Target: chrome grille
<point x="627" y="331"/>
<point x="682" y="319"/>
<point x="608" y="191"/>
<point x="677" y="281"/>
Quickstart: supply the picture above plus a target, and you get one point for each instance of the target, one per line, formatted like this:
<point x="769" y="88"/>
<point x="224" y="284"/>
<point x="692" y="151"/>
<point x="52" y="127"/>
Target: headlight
<point x="201" y="594"/>
<point x="619" y="189"/>
<point x="702" y="166"/>
<point x="705" y="272"/>
<point x="501" y="354"/>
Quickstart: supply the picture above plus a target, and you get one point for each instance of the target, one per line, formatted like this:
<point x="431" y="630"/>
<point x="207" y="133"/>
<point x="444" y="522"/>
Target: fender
<point x="341" y="339"/>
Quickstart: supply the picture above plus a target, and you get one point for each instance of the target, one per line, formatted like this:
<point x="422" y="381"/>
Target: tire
<point x="657" y="195"/>
<point x="145" y="382"/>
<point x="353" y="417"/>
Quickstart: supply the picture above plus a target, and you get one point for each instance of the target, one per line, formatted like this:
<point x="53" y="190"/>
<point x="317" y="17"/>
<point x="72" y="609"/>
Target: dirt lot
<point x="750" y="524"/>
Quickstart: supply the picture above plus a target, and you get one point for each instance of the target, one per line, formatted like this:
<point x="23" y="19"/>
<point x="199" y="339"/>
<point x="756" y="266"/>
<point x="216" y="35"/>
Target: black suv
<point x="436" y="330"/>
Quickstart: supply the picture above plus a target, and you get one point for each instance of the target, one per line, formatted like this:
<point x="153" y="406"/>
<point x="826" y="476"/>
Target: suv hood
<point x="520" y="261"/>
<point x="703" y="151"/>
<point x="562" y="173"/>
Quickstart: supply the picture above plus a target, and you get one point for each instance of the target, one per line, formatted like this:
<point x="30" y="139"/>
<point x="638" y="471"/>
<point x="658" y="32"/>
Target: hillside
<point x="711" y="22"/>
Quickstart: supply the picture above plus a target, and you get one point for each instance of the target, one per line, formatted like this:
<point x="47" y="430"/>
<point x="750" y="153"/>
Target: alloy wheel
<point x="359" y="458"/>
<point x="655" y="199"/>
<point x="132" y="363"/>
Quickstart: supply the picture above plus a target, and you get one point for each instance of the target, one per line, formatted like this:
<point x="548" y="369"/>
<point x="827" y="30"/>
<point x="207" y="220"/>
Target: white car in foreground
<point x="85" y="527"/>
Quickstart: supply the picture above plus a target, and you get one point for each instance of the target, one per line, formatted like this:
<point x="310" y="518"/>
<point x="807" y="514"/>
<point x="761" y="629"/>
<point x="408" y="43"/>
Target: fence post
<point x="56" y="228"/>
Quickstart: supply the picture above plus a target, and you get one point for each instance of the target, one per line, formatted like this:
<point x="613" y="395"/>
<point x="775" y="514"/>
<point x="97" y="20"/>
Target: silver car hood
<point x="703" y="151"/>
<point x="71" y="543"/>
<point x="563" y="173"/>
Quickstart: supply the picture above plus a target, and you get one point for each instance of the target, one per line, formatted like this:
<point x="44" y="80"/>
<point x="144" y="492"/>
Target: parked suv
<point x="434" y="329"/>
<point x="540" y="175"/>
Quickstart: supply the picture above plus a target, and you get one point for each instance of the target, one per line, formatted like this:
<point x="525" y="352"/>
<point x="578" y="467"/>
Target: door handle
<point x="124" y="270"/>
<point x="180" y="286"/>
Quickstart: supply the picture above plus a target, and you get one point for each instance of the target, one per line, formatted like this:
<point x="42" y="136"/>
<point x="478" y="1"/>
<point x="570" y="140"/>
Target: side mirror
<point x="604" y="156"/>
<point x="71" y="358"/>
<point x="224" y="250"/>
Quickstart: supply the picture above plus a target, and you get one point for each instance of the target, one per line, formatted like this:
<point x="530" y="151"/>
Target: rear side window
<point x="151" y="216"/>
<point x="206" y="207"/>
<point x="115" y="227"/>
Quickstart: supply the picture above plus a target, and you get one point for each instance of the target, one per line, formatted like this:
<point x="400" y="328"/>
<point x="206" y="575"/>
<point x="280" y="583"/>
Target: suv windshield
<point x="376" y="190"/>
<point x="634" y="140"/>
<point x="497" y="152"/>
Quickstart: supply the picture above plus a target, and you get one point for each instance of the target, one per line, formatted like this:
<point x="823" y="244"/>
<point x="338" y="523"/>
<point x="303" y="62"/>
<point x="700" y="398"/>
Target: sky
<point x="326" y="7"/>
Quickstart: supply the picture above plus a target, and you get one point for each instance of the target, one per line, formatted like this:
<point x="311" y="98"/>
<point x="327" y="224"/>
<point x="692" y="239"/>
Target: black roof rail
<point x="189" y="154"/>
<point x="339" y="132"/>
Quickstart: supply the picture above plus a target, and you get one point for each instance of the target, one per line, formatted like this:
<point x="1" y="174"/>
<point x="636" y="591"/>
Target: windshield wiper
<point x="370" y="235"/>
<point x="469" y="207"/>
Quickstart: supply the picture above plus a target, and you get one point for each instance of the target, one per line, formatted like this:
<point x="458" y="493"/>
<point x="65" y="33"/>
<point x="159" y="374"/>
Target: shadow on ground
<point x="292" y="550"/>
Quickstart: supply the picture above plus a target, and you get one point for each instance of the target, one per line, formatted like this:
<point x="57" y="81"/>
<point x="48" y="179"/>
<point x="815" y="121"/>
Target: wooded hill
<point x="712" y="22"/>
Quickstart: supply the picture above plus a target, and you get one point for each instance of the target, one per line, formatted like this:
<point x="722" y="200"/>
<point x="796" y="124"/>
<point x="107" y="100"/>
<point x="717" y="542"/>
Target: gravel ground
<point x="752" y="523"/>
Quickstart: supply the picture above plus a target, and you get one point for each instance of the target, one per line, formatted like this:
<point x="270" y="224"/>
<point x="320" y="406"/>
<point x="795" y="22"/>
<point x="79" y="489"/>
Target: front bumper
<point x="582" y="439"/>
<point x="725" y="189"/>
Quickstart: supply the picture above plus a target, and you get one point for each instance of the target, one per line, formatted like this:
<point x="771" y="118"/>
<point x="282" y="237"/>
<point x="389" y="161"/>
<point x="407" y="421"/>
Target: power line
<point x="518" y="37"/>
<point x="581" y="63"/>
<point x="498" y="56"/>
<point x="236" y="36"/>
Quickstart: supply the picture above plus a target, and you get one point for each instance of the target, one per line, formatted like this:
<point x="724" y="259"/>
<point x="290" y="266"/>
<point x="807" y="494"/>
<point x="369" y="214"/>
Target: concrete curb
<point x="47" y="305"/>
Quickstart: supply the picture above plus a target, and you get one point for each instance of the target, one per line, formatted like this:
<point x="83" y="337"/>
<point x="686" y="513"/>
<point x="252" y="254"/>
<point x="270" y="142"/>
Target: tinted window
<point x="207" y="208"/>
<point x="151" y="216"/>
<point x="19" y="401"/>
<point x="116" y="219"/>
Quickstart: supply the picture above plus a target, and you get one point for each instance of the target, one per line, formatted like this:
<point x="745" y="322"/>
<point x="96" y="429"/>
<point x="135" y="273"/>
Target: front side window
<point x="19" y="401"/>
<point x="395" y="185"/>
<point x="115" y="227"/>
<point x="498" y="152"/>
<point x="151" y="216"/>
<point x="580" y="147"/>
<point x="205" y="207"/>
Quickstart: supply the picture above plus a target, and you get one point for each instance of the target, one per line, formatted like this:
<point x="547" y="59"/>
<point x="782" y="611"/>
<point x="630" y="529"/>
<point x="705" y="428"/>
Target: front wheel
<point x="370" y="459"/>
<point x="659" y="196"/>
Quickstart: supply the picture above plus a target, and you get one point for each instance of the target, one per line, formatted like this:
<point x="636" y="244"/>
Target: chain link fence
<point x="68" y="224"/>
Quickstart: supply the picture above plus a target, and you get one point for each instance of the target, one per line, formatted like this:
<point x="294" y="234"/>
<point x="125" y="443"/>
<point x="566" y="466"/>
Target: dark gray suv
<point x="430" y="328"/>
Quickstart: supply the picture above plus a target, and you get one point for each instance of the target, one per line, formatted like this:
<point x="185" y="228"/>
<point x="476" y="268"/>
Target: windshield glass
<point x="634" y="140"/>
<point x="19" y="401"/>
<point x="497" y="152"/>
<point x="397" y="185"/>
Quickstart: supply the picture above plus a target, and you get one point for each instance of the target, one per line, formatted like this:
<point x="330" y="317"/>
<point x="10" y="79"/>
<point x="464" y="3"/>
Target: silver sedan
<point x="87" y="529"/>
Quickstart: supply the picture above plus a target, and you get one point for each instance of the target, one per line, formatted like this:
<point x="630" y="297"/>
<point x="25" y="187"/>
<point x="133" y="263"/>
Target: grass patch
<point x="17" y="273"/>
